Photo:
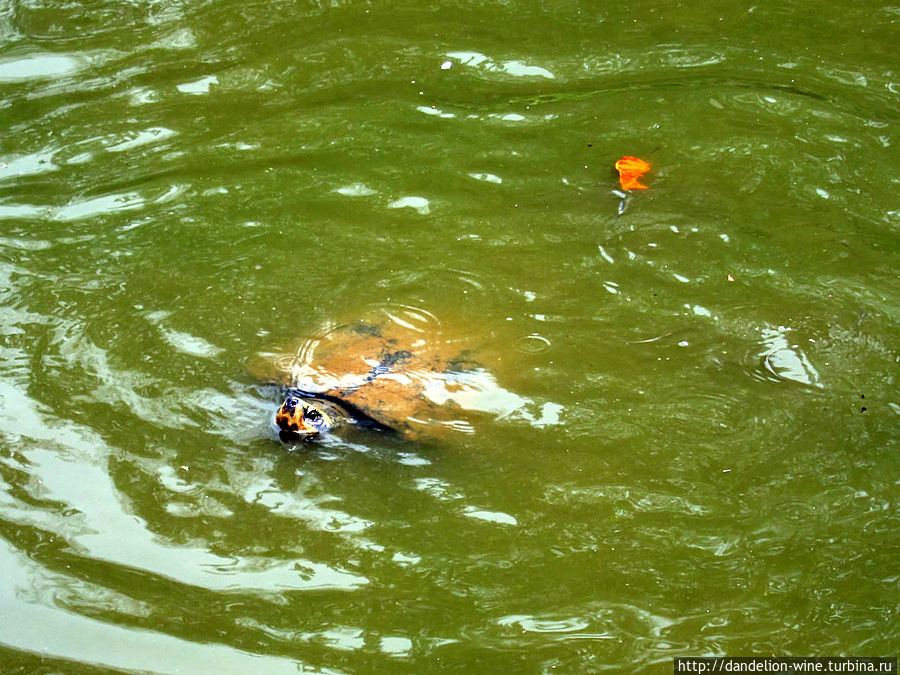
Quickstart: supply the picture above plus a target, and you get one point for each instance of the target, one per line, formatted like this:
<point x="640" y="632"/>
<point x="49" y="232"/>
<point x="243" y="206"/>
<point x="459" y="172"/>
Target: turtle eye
<point x="313" y="415"/>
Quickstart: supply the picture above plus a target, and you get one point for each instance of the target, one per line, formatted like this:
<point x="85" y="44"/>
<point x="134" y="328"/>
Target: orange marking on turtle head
<point x="290" y="418"/>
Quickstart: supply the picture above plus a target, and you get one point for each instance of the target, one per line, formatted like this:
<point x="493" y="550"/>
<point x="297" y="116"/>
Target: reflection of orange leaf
<point x="630" y="169"/>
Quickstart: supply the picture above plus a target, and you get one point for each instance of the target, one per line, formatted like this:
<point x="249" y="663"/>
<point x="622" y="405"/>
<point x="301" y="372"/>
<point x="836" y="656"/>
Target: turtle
<point x="390" y="377"/>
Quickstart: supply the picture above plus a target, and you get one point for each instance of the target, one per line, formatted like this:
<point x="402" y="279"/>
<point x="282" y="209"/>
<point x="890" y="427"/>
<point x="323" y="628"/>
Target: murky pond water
<point x="694" y="449"/>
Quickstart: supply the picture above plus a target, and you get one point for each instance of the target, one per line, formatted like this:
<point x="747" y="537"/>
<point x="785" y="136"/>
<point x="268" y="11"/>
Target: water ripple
<point x="39" y="67"/>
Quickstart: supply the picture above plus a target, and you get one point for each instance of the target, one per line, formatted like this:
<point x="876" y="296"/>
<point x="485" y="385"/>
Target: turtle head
<point x="303" y="419"/>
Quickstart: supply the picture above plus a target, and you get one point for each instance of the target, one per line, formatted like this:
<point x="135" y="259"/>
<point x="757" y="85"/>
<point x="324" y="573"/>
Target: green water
<point x="186" y="185"/>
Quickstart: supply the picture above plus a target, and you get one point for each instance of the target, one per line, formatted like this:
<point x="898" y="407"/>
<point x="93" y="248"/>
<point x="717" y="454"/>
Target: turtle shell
<point x="417" y="382"/>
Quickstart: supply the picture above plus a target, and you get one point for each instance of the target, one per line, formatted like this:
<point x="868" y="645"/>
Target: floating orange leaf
<point x="630" y="169"/>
